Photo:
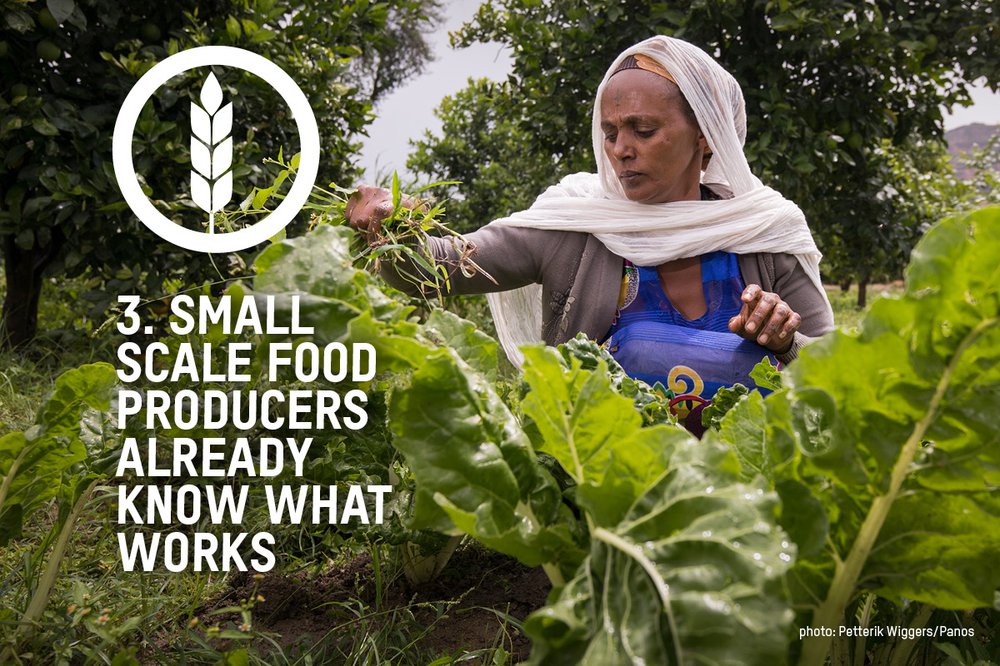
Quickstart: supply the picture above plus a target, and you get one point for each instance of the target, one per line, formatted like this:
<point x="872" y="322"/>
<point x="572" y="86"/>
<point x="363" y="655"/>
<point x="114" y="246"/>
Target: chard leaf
<point x="317" y="264"/>
<point x="724" y="399"/>
<point x="340" y="302"/>
<point x="682" y="554"/>
<point x="687" y="577"/>
<point x="34" y="464"/>
<point x="594" y="433"/>
<point x="745" y="429"/>
<point x="935" y="546"/>
<point x="475" y="469"/>
<point x="654" y="406"/>
<point x="895" y="435"/>
<point x="476" y="348"/>
<point x="918" y="392"/>
<point x="766" y="376"/>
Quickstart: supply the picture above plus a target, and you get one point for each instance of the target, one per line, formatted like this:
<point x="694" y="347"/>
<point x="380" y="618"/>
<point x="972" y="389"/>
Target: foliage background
<point x="67" y="65"/>
<point x="839" y="96"/>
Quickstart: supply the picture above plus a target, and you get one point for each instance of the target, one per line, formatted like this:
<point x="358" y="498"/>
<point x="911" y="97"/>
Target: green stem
<point x="831" y="612"/>
<point x="419" y="568"/>
<point x="866" y="614"/>
<point x="661" y="586"/>
<point x="41" y="596"/>
<point x="554" y="575"/>
<point x="901" y="656"/>
<point x="551" y="569"/>
<point x="11" y="473"/>
<point x="840" y="650"/>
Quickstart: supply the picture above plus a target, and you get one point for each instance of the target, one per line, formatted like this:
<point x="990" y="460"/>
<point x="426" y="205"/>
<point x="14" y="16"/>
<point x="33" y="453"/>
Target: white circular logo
<point x="209" y="198"/>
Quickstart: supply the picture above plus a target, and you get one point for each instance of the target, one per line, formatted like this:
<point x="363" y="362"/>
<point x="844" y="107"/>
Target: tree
<point x="919" y="187"/>
<point x="66" y="65"/>
<point x="825" y="85"/>
<point x="488" y="185"/>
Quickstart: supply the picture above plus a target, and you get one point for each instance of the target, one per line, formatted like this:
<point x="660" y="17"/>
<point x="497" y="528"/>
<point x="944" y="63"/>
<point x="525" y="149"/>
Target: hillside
<point x="963" y="140"/>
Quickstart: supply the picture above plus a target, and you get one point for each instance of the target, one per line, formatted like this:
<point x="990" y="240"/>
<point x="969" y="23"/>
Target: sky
<point x="409" y="111"/>
<point x="985" y="109"/>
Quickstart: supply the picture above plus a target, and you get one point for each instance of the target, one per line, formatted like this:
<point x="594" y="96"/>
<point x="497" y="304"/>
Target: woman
<point x="668" y="253"/>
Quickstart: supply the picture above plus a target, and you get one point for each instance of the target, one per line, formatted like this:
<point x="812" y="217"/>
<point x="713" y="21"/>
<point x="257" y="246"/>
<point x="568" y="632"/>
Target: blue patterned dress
<point x="686" y="360"/>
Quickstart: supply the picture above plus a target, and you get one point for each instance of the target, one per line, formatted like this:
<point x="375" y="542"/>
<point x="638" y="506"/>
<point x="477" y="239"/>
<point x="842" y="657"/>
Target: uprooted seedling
<point x="400" y="238"/>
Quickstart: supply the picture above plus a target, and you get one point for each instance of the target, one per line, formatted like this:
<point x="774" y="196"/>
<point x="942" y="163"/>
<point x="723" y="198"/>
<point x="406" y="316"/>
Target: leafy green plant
<point x="885" y="440"/>
<point x="652" y="499"/>
<point x="55" y="458"/>
<point x="478" y="470"/>
<point x="398" y="238"/>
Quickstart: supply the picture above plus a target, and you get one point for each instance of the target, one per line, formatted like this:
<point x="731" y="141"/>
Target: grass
<point x="845" y="311"/>
<point x="95" y="611"/>
<point x="27" y="374"/>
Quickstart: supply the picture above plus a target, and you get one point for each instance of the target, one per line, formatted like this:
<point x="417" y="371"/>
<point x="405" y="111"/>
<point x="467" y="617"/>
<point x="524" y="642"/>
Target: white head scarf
<point x="755" y="219"/>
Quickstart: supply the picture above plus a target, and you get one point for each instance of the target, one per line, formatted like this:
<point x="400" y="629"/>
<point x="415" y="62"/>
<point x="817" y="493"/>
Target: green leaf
<point x="46" y="451"/>
<point x="724" y="400"/>
<point x="784" y="21"/>
<point x="803" y="517"/>
<point x="319" y="264"/>
<point x="652" y="403"/>
<point x="687" y="577"/>
<point x="745" y="429"/>
<point x="236" y="657"/>
<point x="262" y="35"/>
<point x="766" y="376"/>
<point x="235" y="31"/>
<point x="594" y="433"/>
<point x="934" y="547"/>
<point x="18" y="20"/>
<point x="951" y="651"/>
<point x="482" y="478"/>
<point x="281" y="235"/>
<point x="398" y="348"/>
<point x="476" y="348"/>
<point x="60" y="9"/>
<point x="44" y="127"/>
<point x="261" y="196"/>
<point x="895" y="434"/>
<point x="397" y="194"/>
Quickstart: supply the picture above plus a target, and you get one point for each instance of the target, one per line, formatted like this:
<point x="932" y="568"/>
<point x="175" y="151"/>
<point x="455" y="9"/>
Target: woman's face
<point x="655" y="148"/>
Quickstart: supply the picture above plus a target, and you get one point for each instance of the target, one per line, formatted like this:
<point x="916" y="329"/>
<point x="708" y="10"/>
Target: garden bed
<point x="477" y="603"/>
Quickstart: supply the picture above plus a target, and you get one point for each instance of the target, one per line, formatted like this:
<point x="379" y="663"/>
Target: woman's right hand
<point x="369" y="206"/>
<point x="366" y="209"/>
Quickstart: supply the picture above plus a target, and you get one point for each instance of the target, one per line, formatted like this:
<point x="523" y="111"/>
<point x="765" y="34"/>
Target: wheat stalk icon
<point x="211" y="150"/>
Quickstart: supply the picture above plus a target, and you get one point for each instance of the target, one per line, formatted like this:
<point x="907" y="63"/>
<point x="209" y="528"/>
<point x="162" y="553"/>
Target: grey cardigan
<point x="581" y="279"/>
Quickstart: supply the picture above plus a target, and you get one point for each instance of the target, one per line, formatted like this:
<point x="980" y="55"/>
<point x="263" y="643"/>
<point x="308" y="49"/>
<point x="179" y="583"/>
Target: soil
<point x="464" y="609"/>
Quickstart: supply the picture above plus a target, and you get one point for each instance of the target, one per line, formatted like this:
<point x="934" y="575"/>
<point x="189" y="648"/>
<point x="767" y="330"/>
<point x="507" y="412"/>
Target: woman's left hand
<point x="766" y="319"/>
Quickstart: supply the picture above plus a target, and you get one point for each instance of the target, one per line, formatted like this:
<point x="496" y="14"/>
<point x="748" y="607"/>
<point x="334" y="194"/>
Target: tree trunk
<point x="862" y="292"/>
<point x="845" y="285"/>
<point x="23" y="270"/>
